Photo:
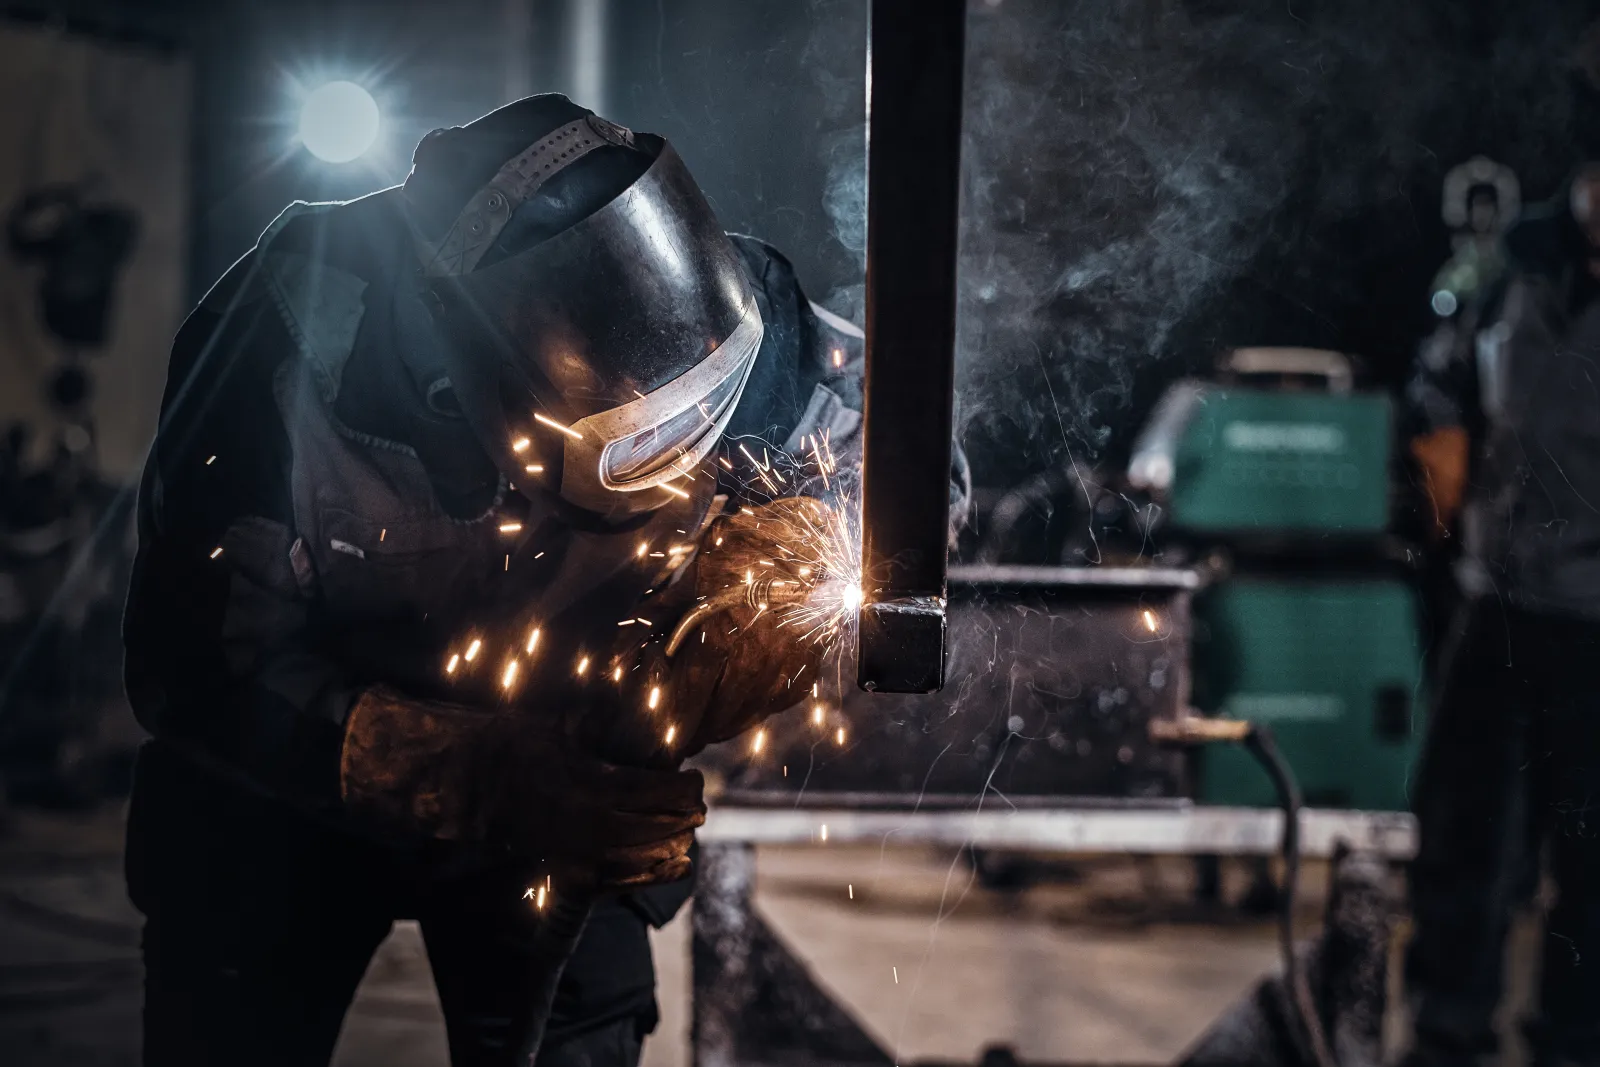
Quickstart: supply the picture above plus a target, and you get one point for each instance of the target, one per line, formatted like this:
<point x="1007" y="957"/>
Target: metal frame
<point x="1180" y="828"/>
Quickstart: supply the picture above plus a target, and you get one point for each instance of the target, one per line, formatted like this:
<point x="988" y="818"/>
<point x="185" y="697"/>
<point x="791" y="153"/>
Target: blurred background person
<point x="1512" y="762"/>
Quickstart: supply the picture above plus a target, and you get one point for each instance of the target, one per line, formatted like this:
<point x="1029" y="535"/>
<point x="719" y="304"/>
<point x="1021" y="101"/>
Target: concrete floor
<point x="1109" y="964"/>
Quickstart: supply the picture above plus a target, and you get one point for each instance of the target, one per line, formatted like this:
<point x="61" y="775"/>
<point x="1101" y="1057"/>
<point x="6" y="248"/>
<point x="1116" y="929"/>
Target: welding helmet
<point x="593" y="320"/>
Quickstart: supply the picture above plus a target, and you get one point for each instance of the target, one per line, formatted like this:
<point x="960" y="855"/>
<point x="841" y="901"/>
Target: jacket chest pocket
<point x="369" y="572"/>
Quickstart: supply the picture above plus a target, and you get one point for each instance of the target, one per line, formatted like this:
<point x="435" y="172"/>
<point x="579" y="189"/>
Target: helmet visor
<point x="664" y="434"/>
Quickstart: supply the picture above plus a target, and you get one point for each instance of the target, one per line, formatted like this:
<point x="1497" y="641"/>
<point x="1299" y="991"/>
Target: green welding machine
<point x="1239" y="459"/>
<point x="1334" y="667"/>
<point x="1313" y="632"/>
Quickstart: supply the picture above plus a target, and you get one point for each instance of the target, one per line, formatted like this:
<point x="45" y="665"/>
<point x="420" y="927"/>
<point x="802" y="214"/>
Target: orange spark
<point x="554" y="425"/>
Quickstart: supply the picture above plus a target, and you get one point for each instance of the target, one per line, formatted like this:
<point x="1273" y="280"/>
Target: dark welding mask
<point x="603" y="362"/>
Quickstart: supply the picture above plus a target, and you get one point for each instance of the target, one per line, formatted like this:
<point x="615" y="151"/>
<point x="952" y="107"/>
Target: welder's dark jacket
<point x="1527" y="390"/>
<point x="339" y="569"/>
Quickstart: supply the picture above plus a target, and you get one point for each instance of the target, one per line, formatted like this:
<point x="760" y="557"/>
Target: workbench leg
<point x="721" y="951"/>
<point x="753" y="1002"/>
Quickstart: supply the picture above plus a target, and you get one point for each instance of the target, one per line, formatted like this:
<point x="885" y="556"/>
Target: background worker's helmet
<point x="593" y="322"/>
<point x="1480" y="178"/>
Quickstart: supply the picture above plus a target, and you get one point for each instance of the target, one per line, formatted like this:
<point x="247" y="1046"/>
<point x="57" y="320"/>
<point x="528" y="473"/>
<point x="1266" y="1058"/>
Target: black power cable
<point x="1192" y="730"/>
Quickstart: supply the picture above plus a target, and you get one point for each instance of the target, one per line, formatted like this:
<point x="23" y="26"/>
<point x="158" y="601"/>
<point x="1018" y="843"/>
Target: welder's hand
<point x="449" y="772"/>
<point x="1443" y="456"/>
<point x="755" y="652"/>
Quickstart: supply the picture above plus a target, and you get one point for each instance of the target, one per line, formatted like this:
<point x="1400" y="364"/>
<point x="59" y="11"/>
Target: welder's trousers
<point x="260" y="924"/>
<point x="1511" y="771"/>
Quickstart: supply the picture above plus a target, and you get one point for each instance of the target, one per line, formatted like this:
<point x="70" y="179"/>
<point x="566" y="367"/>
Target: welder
<point x="404" y="441"/>
<point x="1511" y="450"/>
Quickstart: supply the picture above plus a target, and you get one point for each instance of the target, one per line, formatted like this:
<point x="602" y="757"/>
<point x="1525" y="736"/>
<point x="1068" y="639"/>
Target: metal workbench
<point x="1040" y="743"/>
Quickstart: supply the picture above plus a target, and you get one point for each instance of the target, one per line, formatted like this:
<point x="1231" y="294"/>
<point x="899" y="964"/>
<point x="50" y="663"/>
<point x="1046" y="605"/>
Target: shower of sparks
<point x="554" y="425"/>
<point x="521" y="445"/>
<point x="1150" y="620"/>
<point x="472" y="649"/>
<point x="825" y="554"/>
<point x="533" y="640"/>
<point x="510" y="676"/>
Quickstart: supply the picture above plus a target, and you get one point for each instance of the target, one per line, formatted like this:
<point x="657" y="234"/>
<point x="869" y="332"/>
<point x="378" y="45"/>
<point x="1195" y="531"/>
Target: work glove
<point x="1443" y="457"/>
<point x="516" y="781"/>
<point x="752" y="645"/>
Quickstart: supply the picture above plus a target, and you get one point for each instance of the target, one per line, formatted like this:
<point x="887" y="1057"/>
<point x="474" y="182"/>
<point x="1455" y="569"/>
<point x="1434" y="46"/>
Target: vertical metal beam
<point x="516" y="39"/>
<point x="914" y="78"/>
<point x="590" y="30"/>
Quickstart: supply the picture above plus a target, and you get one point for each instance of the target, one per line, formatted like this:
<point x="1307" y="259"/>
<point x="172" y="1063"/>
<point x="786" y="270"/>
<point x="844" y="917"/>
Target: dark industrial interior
<point x="1169" y="428"/>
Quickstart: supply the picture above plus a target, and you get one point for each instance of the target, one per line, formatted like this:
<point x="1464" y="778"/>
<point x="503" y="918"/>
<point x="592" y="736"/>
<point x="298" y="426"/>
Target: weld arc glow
<point x="338" y="122"/>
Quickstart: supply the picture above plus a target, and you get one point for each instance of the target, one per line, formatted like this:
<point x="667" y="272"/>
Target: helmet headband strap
<point x="478" y="226"/>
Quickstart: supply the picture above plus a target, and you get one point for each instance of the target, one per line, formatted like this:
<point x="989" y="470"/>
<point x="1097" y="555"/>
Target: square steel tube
<point x="913" y="198"/>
